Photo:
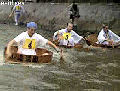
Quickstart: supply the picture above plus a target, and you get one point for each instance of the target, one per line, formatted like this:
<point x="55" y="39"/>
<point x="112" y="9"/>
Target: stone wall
<point x="54" y="16"/>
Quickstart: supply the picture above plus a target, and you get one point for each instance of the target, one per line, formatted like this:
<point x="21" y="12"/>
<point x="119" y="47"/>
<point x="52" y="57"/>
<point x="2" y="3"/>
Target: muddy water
<point x="94" y="70"/>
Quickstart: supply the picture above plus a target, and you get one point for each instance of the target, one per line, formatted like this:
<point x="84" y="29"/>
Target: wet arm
<point x="53" y="45"/>
<point x="57" y="36"/>
<point x="9" y="47"/>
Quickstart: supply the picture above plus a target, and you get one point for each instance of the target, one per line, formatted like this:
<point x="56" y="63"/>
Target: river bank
<point x="54" y="16"/>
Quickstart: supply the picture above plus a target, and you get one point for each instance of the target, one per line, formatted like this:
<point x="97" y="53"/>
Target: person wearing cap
<point x="18" y="11"/>
<point x="67" y="37"/>
<point x="28" y="41"/>
<point x="107" y="37"/>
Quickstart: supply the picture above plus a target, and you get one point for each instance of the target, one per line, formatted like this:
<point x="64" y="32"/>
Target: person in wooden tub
<point x="107" y="37"/>
<point x="67" y="36"/>
<point x="28" y="41"/>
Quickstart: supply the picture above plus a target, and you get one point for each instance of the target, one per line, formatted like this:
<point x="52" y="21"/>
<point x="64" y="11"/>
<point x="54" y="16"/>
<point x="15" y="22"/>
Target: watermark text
<point x="11" y="3"/>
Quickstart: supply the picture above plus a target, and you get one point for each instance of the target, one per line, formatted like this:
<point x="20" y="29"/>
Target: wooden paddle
<point x="61" y="56"/>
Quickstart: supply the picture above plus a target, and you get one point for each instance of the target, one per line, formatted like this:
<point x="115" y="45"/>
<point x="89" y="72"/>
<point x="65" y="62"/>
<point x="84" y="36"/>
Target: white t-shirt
<point x="73" y="38"/>
<point x="18" y="9"/>
<point x="27" y="45"/>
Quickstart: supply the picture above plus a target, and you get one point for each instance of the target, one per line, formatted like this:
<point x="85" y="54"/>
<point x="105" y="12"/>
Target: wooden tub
<point x="92" y="39"/>
<point x="42" y="56"/>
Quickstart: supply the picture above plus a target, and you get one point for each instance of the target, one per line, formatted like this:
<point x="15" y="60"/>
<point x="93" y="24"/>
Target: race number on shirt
<point x="66" y="36"/>
<point x="17" y="7"/>
<point x="29" y="44"/>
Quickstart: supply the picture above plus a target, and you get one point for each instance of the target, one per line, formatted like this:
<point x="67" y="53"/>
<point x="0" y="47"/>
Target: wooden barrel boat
<point x="92" y="39"/>
<point x="79" y="47"/>
<point x="42" y="56"/>
<point x="64" y="46"/>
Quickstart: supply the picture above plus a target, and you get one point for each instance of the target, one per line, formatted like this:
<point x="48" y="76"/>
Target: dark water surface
<point x="95" y="70"/>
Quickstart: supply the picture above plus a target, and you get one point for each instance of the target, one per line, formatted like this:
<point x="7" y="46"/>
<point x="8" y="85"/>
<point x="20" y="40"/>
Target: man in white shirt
<point x="107" y="37"/>
<point x="28" y="41"/>
<point x="67" y="36"/>
<point x="18" y="10"/>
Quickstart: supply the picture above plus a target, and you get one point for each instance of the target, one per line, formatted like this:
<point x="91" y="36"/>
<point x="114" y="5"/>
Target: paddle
<point x="61" y="54"/>
<point x="60" y="51"/>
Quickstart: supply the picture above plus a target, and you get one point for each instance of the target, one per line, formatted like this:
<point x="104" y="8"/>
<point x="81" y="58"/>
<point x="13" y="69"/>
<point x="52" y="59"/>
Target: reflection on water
<point x="95" y="70"/>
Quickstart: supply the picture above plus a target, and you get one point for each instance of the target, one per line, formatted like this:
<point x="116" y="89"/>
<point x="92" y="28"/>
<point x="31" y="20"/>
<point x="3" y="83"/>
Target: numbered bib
<point x="66" y="36"/>
<point x="29" y="44"/>
<point x="17" y="8"/>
